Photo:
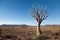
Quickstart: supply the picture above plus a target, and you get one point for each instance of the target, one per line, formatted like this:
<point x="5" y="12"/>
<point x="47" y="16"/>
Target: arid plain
<point x="24" y="32"/>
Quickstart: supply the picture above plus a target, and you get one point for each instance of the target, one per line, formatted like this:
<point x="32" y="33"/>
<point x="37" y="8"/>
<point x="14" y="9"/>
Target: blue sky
<point x="17" y="11"/>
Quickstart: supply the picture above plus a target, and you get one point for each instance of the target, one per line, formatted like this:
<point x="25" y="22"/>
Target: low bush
<point x="43" y="37"/>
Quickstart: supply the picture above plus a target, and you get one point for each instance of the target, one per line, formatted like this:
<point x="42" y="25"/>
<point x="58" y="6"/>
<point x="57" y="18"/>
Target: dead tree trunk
<point x="38" y="28"/>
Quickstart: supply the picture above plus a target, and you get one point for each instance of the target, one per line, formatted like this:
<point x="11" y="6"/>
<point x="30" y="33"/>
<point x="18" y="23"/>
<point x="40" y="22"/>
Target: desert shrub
<point x="7" y="36"/>
<point x="29" y="38"/>
<point x="55" y="37"/>
<point x="19" y="39"/>
<point x="56" y="33"/>
<point x="28" y="34"/>
<point x="43" y="37"/>
<point x="48" y="32"/>
<point x="11" y="37"/>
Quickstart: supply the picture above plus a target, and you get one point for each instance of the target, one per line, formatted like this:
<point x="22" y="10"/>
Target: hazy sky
<point x="17" y="11"/>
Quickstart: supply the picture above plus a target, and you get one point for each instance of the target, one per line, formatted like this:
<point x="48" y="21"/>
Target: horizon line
<point x="29" y="24"/>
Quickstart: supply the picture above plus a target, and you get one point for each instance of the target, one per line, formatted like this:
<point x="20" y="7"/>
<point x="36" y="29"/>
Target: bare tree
<point x="39" y="13"/>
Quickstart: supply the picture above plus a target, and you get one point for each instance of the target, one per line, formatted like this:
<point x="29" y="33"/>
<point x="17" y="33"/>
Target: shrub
<point x="56" y="33"/>
<point x="43" y="37"/>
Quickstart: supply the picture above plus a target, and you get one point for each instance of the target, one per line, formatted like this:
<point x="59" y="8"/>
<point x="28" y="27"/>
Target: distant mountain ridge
<point x="24" y="25"/>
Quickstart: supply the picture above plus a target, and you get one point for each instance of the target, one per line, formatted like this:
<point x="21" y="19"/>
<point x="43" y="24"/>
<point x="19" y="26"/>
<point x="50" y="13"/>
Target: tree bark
<point x="38" y="28"/>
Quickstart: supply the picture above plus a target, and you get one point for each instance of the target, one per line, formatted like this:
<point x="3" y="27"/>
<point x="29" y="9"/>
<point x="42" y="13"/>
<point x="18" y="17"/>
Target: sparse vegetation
<point x="29" y="33"/>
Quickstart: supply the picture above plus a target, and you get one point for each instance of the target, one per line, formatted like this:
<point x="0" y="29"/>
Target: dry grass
<point x="29" y="33"/>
